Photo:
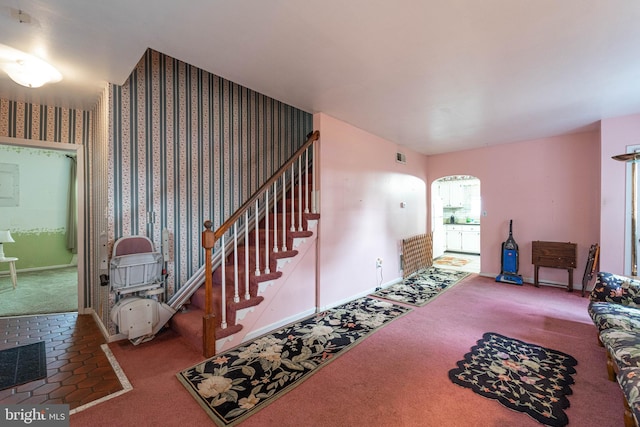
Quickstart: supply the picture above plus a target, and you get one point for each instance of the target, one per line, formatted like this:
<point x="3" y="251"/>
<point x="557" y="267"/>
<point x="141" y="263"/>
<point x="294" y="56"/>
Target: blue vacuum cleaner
<point x="509" y="273"/>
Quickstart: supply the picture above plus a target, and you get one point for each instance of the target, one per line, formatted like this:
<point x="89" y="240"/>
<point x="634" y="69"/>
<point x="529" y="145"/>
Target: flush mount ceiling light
<point x="25" y="69"/>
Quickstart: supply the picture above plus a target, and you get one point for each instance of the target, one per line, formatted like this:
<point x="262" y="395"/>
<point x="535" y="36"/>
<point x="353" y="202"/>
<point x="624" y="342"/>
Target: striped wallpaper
<point x="53" y="124"/>
<point x="187" y="146"/>
<point x="44" y="123"/>
<point x="172" y="147"/>
<point x="97" y="173"/>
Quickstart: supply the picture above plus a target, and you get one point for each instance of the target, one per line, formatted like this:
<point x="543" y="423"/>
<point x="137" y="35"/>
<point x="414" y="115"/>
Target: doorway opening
<point x="632" y="222"/>
<point x="455" y="213"/>
<point x="50" y="277"/>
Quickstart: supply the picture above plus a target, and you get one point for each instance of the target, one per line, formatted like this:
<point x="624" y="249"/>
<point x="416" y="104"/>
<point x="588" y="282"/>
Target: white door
<point x="437" y="222"/>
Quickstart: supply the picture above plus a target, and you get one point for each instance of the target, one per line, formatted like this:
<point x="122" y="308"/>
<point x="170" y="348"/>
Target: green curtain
<point x="72" y="210"/>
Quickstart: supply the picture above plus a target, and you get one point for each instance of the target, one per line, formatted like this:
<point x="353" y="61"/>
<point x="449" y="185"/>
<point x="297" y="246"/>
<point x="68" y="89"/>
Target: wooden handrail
<point x="311" y="138"/>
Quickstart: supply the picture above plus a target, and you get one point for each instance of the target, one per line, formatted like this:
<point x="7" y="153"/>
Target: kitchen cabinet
<point x="443" y="192"/>
<point x="456" y="194"/>
<point x="463" y="238"/>
<point x="452" y="194"/>
<point x="454" y="239"/>
<point x="471" y="241"/>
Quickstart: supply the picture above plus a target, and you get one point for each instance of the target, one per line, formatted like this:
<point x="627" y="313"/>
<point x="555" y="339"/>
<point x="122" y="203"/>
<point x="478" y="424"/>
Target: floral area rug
<point x="235" y="384"/>
<point x="422" y="287"/>
<point x="521" y="376"/>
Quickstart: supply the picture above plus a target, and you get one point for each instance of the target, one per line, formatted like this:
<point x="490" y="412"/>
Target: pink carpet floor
<point x="397" y="376"/>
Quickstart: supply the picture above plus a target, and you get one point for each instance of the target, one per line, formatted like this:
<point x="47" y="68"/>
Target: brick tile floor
<point x="78" y="371"/>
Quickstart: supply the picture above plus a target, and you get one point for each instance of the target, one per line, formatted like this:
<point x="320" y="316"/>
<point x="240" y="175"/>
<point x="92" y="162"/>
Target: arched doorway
<point x="456" y="212"/>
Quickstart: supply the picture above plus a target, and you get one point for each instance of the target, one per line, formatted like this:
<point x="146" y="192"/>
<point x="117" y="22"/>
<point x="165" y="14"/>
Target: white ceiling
<point x="431" y="75"/>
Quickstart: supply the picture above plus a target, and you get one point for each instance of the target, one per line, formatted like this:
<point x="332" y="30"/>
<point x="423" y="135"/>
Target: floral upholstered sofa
<point x="614" y="308"/>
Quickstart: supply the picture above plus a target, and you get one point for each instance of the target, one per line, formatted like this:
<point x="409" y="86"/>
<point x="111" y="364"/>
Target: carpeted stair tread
<point x="262" y="238"/>
<point x="303" y="233"/>
<point x="265" y="277"/>
<point x="253" y="279"/>
<point x="284" y="254"/>
<point x="273" y="256"/>
<point x="198" y="300"/>
<point x="295" y="206"/>
<point x="246" y="303"/>
<point x="189" y="325"/>
<point x="189" y="322"/>
<point x="252" y="256"/>
<point x="277" y="219"/>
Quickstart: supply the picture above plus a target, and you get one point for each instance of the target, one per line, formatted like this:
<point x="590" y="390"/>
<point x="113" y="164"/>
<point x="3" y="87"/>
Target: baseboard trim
<point x="35" y="269"/>
<point x="103" y="329"/>
<point x="550" y="283"/>
<point x="358" y="295"/>
<point x="291" y="319"/>
<point x="266" y="329"/>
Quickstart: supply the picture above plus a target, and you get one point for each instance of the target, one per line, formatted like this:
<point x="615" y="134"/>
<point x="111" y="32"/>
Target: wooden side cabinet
<point x="554" y="255"/>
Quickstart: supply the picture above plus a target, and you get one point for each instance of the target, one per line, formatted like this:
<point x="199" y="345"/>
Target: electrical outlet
<point x="378" y="262"/>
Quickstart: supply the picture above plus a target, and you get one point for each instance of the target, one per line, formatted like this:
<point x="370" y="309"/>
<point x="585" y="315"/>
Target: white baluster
<point x="306" y="180"/>
<point x="246" y="255"/>
<point x="293" y="199"/>
<point x="257" y="241"/>
<point x="223" y="323"/>
<point x="267" y="270"/>
<point x="275" y="217"/>
<point x="236" y="296"/>
<point x="284" y="214"/>
<point x="314" y="170"/>
<point x="299" y="193"/>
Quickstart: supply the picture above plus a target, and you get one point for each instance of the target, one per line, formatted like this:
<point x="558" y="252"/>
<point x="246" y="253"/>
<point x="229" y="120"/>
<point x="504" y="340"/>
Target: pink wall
<point x="616" y="135"/>
<point x="549" y="187"/>
<point x="287" y="300"/>
<point x="564" y="188"/>
<point x="361" y="190"/>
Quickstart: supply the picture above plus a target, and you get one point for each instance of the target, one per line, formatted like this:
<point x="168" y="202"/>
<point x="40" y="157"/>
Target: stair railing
<point x="182" y="295"/>
<point x="265" y="197"/>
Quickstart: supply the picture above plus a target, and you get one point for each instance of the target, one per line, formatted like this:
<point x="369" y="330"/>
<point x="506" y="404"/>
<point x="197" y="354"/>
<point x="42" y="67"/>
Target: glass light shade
<point x="31" y="72"/>
<point x="5" y="237"/>
<point x="25" y="69"/>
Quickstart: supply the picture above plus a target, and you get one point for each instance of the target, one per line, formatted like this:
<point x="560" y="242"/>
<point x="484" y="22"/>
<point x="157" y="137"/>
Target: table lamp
<point x="5" y="237"/>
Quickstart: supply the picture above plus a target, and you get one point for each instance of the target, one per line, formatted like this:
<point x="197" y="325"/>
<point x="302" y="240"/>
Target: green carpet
<point x="422" y="287"/>
<point x="235" y="384"/>
<point x="40" y="292"/>
<point x="521" y="376"/>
